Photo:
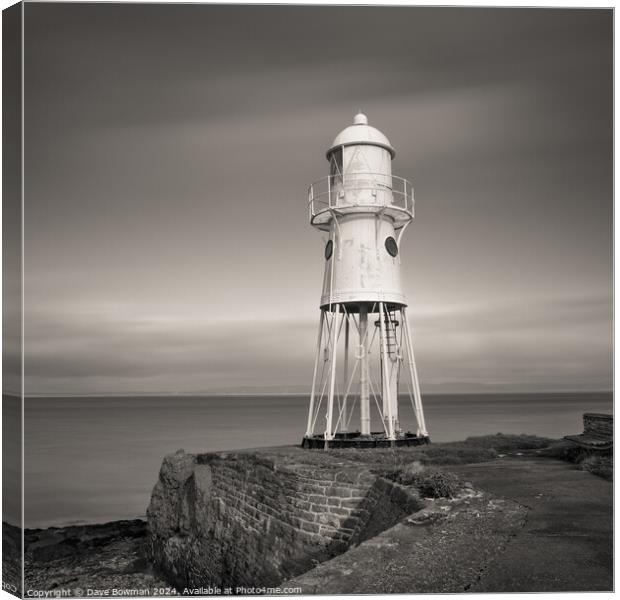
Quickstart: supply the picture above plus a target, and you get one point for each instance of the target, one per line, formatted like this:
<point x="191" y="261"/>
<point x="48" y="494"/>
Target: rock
<point x="105" y="557"/>
<point x="163" y="514"/>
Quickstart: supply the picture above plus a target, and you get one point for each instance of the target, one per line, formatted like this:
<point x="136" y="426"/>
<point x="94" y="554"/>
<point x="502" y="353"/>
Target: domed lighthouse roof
<point x="361" y="133"/>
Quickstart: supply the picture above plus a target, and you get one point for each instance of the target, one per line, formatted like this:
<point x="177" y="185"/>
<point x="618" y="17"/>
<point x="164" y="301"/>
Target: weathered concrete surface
<point x="566" y="543"/>
<point x="543" y="526"/>
<point x="441" y="554"/>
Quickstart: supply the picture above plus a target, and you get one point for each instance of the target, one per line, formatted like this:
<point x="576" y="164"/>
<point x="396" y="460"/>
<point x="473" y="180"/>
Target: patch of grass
<point x="430" y="483"/>
<point x="478" y="449"/>
<point x="471" y="450"/>
<point x="564" y="450"/>
<point x="456" y="453"/>
<point x="502" y="442"/>
<point x="603" y="466"/>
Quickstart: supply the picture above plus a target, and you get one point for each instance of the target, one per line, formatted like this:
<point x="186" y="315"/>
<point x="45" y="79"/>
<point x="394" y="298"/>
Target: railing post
<point x="329" y="191"/>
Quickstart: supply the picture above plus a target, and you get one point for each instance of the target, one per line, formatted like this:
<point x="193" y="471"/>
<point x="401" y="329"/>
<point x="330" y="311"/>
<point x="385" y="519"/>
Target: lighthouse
<point x="364" y="367"/>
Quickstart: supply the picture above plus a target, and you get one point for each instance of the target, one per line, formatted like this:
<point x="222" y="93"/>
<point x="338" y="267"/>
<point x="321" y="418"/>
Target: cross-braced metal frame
<point x="338" y="385"/>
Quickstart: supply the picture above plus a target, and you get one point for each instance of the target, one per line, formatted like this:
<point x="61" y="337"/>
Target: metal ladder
<point x="391" y="340"/>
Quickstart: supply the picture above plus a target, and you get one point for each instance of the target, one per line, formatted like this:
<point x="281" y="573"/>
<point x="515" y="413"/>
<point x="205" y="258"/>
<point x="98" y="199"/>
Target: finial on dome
<point x="360" y="118"/>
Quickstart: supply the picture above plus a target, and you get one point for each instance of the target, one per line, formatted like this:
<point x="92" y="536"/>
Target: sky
<point x="168" y="150"/>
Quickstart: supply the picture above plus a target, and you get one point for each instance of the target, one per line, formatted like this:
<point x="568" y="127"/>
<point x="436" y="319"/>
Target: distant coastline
<point x="296" y="394"/>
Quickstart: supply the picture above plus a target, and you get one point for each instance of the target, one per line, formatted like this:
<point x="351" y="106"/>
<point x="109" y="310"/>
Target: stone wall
<point x="246" y="519"/>
<point x="598" y="424"/>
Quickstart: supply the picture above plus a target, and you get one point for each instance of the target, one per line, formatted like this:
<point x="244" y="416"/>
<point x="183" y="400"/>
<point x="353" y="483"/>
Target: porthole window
<point x="329" y="249"/>
<point x="391" y="246"/>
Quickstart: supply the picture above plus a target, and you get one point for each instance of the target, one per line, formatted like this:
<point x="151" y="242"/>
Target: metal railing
<point x="360" y="190"/>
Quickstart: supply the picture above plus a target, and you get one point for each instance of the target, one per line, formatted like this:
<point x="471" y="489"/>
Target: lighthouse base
<point x="362" y="442"/>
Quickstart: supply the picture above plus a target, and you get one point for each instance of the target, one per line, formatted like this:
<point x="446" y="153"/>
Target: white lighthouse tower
<point x="364" y="352"/>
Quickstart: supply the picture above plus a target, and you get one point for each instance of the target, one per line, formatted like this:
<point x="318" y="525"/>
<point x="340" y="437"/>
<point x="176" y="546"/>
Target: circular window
<point x="391" y="246"/>
<point x="329" y="249"/>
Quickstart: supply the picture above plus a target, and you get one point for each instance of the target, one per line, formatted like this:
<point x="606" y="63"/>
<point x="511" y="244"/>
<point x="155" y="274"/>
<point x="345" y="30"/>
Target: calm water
<point x="97" y="459"/>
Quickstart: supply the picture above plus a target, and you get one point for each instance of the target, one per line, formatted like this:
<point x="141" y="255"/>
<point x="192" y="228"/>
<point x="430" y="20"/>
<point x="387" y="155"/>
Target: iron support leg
<point x="309" y="428"/>
<point x="329" y="434"/>
<point x="417" y="397"/>
<point x="364" y="387"/>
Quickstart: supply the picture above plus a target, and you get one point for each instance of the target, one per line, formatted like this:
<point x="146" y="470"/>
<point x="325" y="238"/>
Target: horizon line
<point x="261" y="394"/>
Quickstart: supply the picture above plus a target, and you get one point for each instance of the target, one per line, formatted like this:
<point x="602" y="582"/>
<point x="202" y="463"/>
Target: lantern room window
<point x="335" y="166"/>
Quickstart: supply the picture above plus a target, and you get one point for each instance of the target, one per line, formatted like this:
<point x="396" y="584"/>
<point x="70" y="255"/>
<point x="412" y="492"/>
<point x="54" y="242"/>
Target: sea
<point x="96" y="459"/>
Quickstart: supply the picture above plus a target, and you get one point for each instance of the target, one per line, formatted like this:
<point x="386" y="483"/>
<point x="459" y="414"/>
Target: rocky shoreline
<point x="108" y="556"/>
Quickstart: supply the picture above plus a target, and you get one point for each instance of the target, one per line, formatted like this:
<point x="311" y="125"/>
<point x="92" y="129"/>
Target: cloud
<point x="550" y="344"/>
<point x="168" y="153"/>
<point x="101" y="352"/>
